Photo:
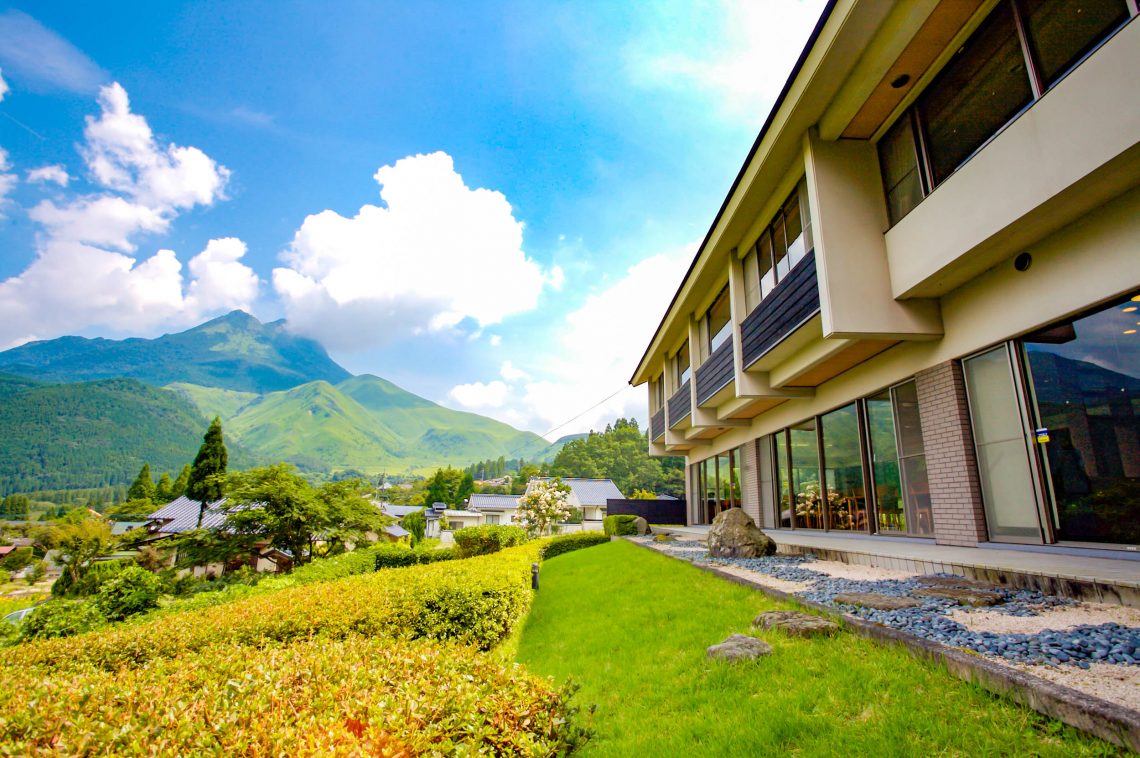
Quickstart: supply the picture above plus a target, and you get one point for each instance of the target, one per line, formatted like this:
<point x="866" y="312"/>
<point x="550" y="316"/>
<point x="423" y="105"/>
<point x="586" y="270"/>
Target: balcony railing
<point x="657" y="425"/>
<point x="715" y="373"/>
<point x="794" y="301"/>
<point x="680" y="405"/>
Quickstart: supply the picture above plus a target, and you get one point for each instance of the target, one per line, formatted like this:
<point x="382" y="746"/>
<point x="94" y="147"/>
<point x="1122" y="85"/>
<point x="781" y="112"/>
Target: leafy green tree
<point x="143" y="486"/>
<point x="162" y="490"/>
<point x="131" y="510"/>
<point x="345" y="514"/>
<point x="643" y="495"/>
<point x="178" y="489"/>
<point x="80" y="538"/>
<point x="134" y="590"/>
<point x="466" y="489"/>
<point x="15" y="507"/>
<point x="443" y="487"/>
<point x="276" y="504"/>
<point x="620" y="453"/>
<point x="415" y="523"/>
<point x="207" y="481"/>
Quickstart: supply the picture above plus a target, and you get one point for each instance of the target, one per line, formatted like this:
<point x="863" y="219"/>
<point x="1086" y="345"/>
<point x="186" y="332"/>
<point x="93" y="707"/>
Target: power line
<point x="612" y="395"/>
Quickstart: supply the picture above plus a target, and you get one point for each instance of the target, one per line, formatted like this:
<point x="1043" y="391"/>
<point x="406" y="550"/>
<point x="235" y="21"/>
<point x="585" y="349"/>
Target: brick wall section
<point x="750" y="481"/>
<point x="951" y="464"/>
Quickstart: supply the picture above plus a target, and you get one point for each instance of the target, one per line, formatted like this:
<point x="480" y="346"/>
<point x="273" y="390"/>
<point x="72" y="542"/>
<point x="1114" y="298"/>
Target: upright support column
<point x="951" y="463"/>
<point x="750" y="481"/>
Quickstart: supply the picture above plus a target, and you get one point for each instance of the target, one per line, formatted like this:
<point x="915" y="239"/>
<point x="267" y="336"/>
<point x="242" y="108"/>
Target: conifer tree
<point x="143" y="486"/>
<point x="178" y="489"/>
<point x="162" y="491"/>
<point x="208" y="473"/>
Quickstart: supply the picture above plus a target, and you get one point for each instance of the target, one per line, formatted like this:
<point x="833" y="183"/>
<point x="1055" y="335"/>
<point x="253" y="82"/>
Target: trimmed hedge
<point x="477" y="601"/>
<point x="487" y="539"/>
<point x="619" y="525"/>
<point x="60" y="618"/>
<point x="570" y="542"/>
<point x="398" y="556"/>
<point x="314" y="697"/>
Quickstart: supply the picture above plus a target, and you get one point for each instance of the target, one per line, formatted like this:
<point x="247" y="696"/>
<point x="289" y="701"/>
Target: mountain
<point x="368" y="423"/>
<point x="94" y="433"/>
<point x="232" y="352"/>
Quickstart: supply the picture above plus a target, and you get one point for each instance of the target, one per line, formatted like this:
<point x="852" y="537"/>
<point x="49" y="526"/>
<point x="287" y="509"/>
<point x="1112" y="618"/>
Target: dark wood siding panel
<point x="680" y="405"/>
<point x="715" y="373"/>
<point x="794" y="300"/>
<point x="657" y="424"/>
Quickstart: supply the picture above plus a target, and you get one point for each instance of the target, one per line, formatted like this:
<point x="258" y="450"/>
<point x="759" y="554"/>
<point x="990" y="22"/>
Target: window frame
<point x="768" y="280"/>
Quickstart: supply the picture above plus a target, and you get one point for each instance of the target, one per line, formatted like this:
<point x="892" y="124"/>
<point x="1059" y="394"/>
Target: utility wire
<point x="572" y="420"/>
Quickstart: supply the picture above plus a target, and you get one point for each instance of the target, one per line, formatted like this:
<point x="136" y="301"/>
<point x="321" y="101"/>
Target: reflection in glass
<point x="885" y="464"/>
<point x="1061" y="31"/>
<point x="783" y="479"/>
<point x="805" y="475"/>
<point x="1085" y="378"/>
<point x="912" y="454"/>
<point x="846" y="501"/>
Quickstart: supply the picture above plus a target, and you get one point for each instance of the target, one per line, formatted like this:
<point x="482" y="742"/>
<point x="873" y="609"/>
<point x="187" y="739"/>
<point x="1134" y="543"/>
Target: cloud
<point x="41" y="60"/>
<point x="590" y="361"/>
<point x="495" y="340"/>
<point x="436" y="254"/>
<point x="8" y="181"/>
<point x="55" y="174"/>
<point x="251" y="117"/>
<point x="758" y="42"/>
<point x="85" y="275"/>
<point x="3" y="86"/>
<point x="478" y="395"/>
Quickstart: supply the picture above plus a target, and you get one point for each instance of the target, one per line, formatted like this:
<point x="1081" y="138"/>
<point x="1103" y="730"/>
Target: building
<point x="916" y="312"/>
<point x="588" y="495"/>
<point x="496" y="509"/>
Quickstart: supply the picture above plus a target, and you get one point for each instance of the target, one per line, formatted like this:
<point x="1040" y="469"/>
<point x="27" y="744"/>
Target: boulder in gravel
<point x="876" y="601"/>
<point x="955" y="581"/>
<point x="641" y="525"/>
<point x="740" y="647"/>
<point x="976" y="598"/>
<point x="796" y="623"/>
<point x="734" y="534"/>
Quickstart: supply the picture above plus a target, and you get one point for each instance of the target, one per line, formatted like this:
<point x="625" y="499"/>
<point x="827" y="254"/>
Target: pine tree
<point x="162" y="491"/>
<point x="143" y="486"/>
<point x="466" y="489"/>
<point x="208" y="473"/>
<point x="178" y="489"/>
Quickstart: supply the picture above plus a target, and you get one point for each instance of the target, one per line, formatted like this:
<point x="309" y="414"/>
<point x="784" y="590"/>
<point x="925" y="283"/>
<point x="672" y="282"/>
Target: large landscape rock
<point x="964" y="596"/>
<point x="740" y="647"/>
<point x="796" y="623"/>
<point x="955" y="581"/>
<point x="641" y="525"/>
<point x="734" y="534"/>
<point x="876" y="601"/>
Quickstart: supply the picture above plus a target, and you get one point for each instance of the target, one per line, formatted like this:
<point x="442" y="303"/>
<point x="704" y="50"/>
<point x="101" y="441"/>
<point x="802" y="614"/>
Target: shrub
<point x="478" y="601"/>
<point x="60" y="618"/>
<point x="398" y="556"/>
<point x="569" y="542"/>
<point x="93" y="578"/>
<point x="5" y="577"/>
<point x="133" y="591"/>
<point x="483" y="540"/>
<point x="18" y="559"/>
<point x="619" y="525"/>
<point x="315" y="697"/>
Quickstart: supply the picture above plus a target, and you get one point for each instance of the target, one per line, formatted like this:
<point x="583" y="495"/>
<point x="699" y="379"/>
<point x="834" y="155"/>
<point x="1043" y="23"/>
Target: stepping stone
<point x="976" y="598"/>
<point x="876" y="601"/>
<point x="955" y="581"/>
<point x="796" y="623"/>
<point x="740" y="647"/>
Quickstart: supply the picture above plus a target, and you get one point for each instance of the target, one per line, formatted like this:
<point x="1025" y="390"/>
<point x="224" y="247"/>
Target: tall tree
<point x="162" y="491"/>
<point x="466" y="489"/>
<point x="443" y="487"/>
<point x="207" y="481"/>
<point x="143" y="486"/>
<point x="178" y="489"/>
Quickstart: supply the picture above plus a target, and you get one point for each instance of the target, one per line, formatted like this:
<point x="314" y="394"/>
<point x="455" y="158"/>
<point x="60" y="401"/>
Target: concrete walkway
<point x="1090" y="575"/>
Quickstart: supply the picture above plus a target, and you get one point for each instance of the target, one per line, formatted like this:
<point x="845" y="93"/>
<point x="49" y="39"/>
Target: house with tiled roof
<point x="589" y="495"/>
<point x="496" y="509"/>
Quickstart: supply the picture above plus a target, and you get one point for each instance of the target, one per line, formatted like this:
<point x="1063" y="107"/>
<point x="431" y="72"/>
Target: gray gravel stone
<point x="796" y="623"/>
<point x="739" y="647"/>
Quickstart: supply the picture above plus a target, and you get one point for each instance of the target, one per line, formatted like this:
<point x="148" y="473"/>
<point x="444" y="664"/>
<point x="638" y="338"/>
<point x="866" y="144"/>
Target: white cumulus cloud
<point x="435" y="254"/>
<point x="478" y="395"/>
<point x="3" y="86"/>
<point x="54" y="174"/>
<point x="510" y="373"/>
<point x="8" y="181"/>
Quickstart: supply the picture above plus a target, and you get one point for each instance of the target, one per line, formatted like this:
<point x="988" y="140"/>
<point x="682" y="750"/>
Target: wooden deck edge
<point x="1096" y="716"/>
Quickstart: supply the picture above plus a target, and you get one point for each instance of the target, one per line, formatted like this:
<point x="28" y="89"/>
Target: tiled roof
<point x="181" y="515"/>
<point x="460" y="514"/>
<point x="480" y="501"/>
<point x="590" y="491"/>
<point x="399" y="511"/>
<point x="122" y="527"/>
<point x="396" y="531"/>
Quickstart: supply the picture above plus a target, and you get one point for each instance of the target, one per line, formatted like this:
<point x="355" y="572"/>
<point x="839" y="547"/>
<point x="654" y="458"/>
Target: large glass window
<point x="682" y="365"/>
<point x="751" y="281"/>
<point x="912" y="457"/>
<point x="843" y="467"/>
<point x="885" y="464"/>
<point x="808" y="494"/>
<point x="783" y="243"/>
<point x="783" y="480"/>
<point x="718" y="322"/>
<point x="1020" y="50"/>
<point x="1085" y="380"/>
<point x="719" y="484"/>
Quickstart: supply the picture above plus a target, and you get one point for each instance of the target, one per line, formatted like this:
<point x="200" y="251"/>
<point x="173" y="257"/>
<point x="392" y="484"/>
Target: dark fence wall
<point x="653" y="511"/>
<point x="794" y="300"/>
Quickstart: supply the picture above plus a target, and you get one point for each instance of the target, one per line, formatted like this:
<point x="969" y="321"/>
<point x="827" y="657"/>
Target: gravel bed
<point x="1107" y="643"/>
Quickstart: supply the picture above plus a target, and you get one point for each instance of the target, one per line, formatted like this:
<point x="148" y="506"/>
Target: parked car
<point x="15" y="617"/>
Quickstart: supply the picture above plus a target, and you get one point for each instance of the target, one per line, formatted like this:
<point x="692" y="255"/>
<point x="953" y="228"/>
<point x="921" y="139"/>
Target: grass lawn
<point x="631" y="627"/>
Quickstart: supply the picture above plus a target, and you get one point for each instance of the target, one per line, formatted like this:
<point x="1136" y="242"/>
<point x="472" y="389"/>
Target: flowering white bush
<point x="544" y="506"/>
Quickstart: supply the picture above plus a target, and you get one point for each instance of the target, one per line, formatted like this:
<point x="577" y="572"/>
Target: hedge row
<point x="478" y="601"/>
<point x="314" y="697"/>
<point x="620" y="525"/>
<point x="398" y="556"/>
<point x="487" y="539"/>
<point x="569" y="542"/>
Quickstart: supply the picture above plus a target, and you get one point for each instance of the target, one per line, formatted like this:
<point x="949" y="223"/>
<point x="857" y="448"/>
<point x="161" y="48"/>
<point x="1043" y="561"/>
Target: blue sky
<point x="547" y="170"/>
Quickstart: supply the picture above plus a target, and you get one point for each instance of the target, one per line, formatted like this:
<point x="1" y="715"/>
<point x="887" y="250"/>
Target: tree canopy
<point x="621" y="453"/>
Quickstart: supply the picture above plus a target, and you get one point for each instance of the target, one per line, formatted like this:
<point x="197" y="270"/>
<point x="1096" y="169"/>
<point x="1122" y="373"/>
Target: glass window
<point x="780" y="248"/>
<point x="898" y="160"/>
<point x="682" y="365"/>
<point x="751" y="281"/>
<point x="794" y="230"/>
<point x="491" y="518"/>
<point x="783" y="479"/>
<point x="912" y="454"/>
<point x="805" y="475"/>
<point x="846" y="500"/>
<point x="1061" y="32"/>
<point x="659" y="392"/>
<point x="719" y="321"/>
<point x="885" y="464"/>
<point x="764" y="259"/>
<point x="984" y="86"/>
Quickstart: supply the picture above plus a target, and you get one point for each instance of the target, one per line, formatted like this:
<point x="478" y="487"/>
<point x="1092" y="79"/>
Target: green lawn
<point x="632" y="626"/>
